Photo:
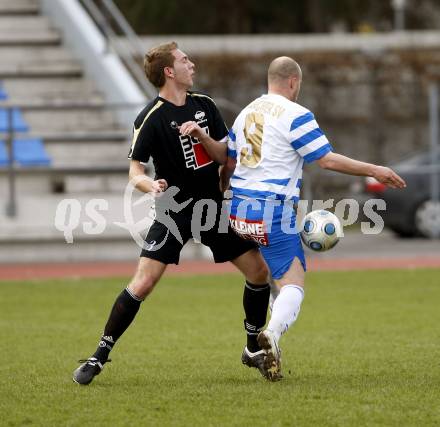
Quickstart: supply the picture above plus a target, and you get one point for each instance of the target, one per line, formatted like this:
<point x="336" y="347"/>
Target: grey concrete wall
<point x="369" y="93"/>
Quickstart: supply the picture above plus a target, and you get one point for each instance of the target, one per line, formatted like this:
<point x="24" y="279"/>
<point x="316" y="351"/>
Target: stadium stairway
<point x="87" y="148"/>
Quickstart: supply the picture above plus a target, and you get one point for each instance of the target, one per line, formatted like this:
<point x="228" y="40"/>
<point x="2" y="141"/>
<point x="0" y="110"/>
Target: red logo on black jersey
<point x="195" y="154"/>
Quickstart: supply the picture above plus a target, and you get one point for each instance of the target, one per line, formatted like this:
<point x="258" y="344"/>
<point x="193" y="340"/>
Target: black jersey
<point x="181" y="160"/>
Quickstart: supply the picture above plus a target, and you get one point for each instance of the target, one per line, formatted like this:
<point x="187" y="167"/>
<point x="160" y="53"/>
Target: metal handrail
<point x="11" y="205"/>
<point x="133" y="43"/>
<point x="124" y="25"/>
<point x="111" y="36"/>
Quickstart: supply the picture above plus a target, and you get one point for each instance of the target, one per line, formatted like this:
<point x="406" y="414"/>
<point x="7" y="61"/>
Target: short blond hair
<point x="156" y="59"/>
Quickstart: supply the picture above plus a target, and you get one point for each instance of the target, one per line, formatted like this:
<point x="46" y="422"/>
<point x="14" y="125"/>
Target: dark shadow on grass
<point x="197" y="381"/>
<point x="301" y="382"/>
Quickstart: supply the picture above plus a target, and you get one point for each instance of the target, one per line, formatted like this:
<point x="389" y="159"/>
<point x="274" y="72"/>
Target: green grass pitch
<point x="364" y="352"/>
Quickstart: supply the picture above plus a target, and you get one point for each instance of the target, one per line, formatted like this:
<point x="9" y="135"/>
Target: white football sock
<point x="285" y="309"/>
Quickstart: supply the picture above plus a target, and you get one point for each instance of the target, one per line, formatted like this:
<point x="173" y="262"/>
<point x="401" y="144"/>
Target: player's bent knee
<point x="145" y="280"/>
<point x="142" y="284"/>
<point x="262" y="274"/>
<point x="259" y="273"/>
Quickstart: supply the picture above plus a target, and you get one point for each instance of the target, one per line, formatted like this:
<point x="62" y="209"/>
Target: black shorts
<point x="162" y="245"/>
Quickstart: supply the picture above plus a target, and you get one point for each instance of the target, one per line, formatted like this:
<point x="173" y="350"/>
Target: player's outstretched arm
<point x="339" y="163"/>
<point x="217" y="150"/>
<point x="144" y="183"/>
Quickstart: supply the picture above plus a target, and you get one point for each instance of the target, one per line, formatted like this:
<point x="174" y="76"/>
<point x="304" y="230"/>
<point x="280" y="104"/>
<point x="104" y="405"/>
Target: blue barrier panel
<point x="3" y="94"/>
<point x="27" y="152"/>
<point x="18" y="122"/>
<point x="30" y="152"/>
<point x="3" y="154"/>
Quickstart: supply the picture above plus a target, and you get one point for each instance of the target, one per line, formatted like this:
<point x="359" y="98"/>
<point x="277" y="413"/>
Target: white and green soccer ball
<point x="320" y="230"/>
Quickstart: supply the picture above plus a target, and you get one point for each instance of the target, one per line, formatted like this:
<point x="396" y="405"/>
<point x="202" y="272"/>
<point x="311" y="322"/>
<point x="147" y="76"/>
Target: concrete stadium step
<point x="27" y="30"/>
<point x="21" y="235"/>
<point x="66" y="180"/>
<point x="42" y="70"/>
<point x="19" y="7"/>
<point x="71" y="120"/>
<point x="92" y="249"/>
<point x="88" y="153"/>
<point x="87" y="145"/>
<point x="38" y="61"/>
<point x="25" y="23"/>
<point x="104" y="247"/>
<point x="79" y="137"/>
<point x="31" y="39"/>
<point x="57" y="88"/>
<point x="47" y="205"/>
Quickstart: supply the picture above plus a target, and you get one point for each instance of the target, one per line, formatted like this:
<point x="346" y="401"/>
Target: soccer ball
<point x="320" y="230"/>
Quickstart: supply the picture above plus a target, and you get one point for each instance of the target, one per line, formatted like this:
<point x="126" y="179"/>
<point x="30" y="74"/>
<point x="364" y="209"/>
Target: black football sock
<point x="255" y="303"/>
<point x="122" y="314"/>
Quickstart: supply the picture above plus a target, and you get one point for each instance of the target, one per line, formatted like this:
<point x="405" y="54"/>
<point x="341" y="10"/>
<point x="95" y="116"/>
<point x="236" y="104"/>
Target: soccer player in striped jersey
<point x="269" y="143"/>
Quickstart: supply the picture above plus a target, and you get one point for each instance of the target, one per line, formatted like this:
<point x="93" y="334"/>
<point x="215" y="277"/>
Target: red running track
<point x="121" y="269"/>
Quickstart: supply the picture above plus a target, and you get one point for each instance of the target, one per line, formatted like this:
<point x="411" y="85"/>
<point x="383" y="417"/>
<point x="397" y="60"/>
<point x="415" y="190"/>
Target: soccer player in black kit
<point x="184" y="134"/>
